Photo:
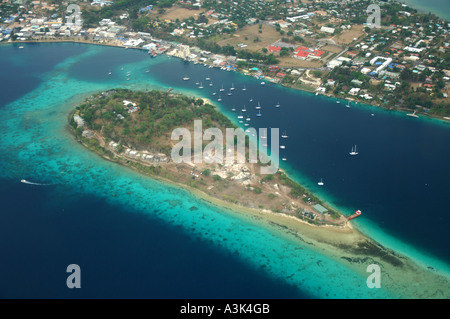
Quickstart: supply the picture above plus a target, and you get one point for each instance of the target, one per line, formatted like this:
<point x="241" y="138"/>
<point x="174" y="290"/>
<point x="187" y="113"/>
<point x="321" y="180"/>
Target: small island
<point x="134" y="128"/>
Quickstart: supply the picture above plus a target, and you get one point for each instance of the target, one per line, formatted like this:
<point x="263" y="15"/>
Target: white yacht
<point x="353" y="151"/>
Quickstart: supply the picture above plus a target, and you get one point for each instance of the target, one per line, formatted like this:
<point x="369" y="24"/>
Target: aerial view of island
<point x="248" y="149"/>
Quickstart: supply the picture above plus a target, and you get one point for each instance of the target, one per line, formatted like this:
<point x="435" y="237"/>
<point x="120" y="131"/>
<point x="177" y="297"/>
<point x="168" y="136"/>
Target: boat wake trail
<point x="38" y="184"/>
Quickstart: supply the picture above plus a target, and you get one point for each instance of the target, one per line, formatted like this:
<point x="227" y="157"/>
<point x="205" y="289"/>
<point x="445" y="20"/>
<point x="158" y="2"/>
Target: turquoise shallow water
<point x="441" y="8"/>
<point x="36" y="145"/>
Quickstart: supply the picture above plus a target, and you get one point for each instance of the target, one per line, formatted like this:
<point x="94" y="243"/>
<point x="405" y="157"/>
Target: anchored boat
<point x="356" y="214"/>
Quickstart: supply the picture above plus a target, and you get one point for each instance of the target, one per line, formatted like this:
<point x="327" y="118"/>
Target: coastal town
<point x="325" y="47"/>
<point x="121" y="160"/>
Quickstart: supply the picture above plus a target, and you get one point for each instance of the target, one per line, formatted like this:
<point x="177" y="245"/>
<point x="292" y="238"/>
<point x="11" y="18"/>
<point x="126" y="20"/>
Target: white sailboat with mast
<point x="354" y="151"/>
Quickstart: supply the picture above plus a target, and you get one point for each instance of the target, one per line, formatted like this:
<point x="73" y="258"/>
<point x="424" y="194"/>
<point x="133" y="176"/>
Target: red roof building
<point x="274" y="48"/>
<point x="302" y="54"/>
<point x="318" y="52"/>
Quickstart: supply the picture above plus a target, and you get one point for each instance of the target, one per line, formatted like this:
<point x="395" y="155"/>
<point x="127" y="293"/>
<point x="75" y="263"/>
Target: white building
<point x="327" y="30"/>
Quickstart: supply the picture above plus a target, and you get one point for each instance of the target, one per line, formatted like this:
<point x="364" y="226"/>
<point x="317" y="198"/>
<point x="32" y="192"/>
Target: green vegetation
<point x="148" y="120"/>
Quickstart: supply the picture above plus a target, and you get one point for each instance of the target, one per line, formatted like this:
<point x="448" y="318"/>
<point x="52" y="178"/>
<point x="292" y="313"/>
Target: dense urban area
<point x="328" y="47"/>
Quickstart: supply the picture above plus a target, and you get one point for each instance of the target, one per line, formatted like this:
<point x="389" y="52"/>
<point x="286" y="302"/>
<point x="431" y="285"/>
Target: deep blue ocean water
<point x="400" y="177"/>
<point x="135" y="237"/>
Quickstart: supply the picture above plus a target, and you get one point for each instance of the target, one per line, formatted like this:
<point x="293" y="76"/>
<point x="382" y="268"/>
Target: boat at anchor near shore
<point x="356" y="214"/>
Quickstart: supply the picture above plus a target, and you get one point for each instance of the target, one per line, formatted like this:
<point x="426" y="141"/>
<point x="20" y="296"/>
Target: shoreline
<point x="423" y="8"/>
<point x="344" y="244"/>
<point x="444" y="119"/>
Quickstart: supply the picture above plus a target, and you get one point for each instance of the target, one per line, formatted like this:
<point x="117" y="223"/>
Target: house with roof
<point x="272" y="48"/>
<point x="327" y="30"/>
<point x="303" y="52"/>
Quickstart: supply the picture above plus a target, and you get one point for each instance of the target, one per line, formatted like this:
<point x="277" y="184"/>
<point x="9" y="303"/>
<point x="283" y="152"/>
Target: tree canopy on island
<point x="156" y="115"/>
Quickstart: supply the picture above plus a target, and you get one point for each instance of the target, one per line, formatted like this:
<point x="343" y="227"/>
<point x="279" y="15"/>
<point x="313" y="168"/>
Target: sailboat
<point x="244" y="88"/>
<point x="244" y="109"/>
<point x="232" y="87"/>
<point x="201" y="86"/>
<point x="353" y="151"/>
<point x="229" y="93"/>
<point x="222" y="89"/>
<point x="233" y="109"/>
<point x="263" y="136"/>
<point x="259" y="113"/>
<point x="208" y="78"/>
<point x="219" y="99"/>
<point x="251" y="99"/>
<point x="320" y="183"/>
<point x="248" y="119"/>
<point x="240" y="116"/>
<point x="284" y="135"/>
<point x="210" y="83"/>
<point x="258" y="107"/>
<point x="348" y="105"/>
<point x="278" y="104"/>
